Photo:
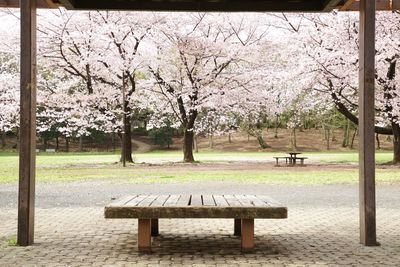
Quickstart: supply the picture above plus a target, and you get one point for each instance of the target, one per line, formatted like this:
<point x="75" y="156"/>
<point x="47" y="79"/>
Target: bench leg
<point x="144" y="235"/>
<point x="154" y="227"/>
<point x="277" y="162"/>
<point x="238" y="227"/>
<point x="247" y="234"/>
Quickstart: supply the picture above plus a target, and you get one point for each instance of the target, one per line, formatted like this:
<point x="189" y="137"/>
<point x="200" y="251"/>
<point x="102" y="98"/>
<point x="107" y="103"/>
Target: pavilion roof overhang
<point x="210" y="5"/>
<point x="204" y="5"/>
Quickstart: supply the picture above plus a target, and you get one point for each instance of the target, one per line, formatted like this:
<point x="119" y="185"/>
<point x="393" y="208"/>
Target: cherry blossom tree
<point x="9" y="96"/>
<point x="103" y="51"/>
<point x="200" y="63"/>
<point x="333" y="45"/>
<point x="323" y="50"/>
<point x="9" y="86"/>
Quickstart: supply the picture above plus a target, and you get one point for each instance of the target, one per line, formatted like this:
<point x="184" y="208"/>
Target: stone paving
<point x="312" y="236"/>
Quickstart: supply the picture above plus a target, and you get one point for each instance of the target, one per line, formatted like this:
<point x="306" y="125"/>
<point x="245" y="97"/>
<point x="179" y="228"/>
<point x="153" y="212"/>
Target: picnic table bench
<point x="149" y="208"/>
<point x="278" y="158"/>
<point x="292" y="159"/>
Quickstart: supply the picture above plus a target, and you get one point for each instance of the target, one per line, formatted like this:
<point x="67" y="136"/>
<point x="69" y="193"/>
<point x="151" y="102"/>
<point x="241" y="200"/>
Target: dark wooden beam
<point x="200" y="5"/>
<point x="367" y="123"/>
<point x="39" y="3"/>
<point x="69" y="4"/>
<point x="346" y="5"/>
<point x="27" y="138"/>
<point x="331" y="4"/>
<point x="396" y="5"/>
<point x="380" y="5"/>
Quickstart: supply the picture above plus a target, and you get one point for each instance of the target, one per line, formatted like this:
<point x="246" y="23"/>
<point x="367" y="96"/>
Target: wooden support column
<point x="27" y="137"/>
<point x="144" y="235"/>
<point x="154" y="227"/>
<point x="367" y="123"/>
<point x="238" y="227"/>
<point x="247" y="235"/>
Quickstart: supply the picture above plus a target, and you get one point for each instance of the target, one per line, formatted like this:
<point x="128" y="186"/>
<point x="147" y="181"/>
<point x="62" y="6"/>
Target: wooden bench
<point x="149" y="208"/>
<point x="294" y="160"/>
<point x="278" y="158"/>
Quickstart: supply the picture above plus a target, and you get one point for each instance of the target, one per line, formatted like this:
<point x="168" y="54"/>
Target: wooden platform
<point x="149" y="208"/>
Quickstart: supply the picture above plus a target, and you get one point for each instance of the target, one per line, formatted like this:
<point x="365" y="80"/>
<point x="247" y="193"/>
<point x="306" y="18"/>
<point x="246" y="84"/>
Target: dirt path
<point x="239" y="166"/>
<point x="141" y="147"/>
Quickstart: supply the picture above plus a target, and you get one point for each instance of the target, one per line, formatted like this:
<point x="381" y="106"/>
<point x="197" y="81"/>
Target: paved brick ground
<point x="311" y="236"/>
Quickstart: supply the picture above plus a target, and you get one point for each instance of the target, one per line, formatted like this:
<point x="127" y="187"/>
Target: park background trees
<point x="200" y="75"/>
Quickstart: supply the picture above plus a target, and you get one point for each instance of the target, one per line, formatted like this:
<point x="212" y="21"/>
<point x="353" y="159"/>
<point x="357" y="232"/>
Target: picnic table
<point x="148" y="209"/>
<point x="294" y="154"/>
<point x="291" y="159"/>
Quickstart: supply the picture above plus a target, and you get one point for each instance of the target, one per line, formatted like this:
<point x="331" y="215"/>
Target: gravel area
<point x="99" y="193"/>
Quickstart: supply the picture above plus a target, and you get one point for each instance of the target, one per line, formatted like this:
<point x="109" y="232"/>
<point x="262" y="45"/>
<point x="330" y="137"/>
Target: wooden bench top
<point x="195" y="206"/>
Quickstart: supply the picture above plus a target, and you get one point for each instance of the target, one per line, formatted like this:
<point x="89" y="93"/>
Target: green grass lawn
<point x="86" y="166"/>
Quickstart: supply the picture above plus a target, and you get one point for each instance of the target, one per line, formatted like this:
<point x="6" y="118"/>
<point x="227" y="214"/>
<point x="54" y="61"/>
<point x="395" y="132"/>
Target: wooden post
<point x="27" y="137"/>
<point x="144" y="235"/>
<point x="247" y="235"/>
<point x="367" y="123"/>
<point x="238" y="227"/>
<point x="154" y="227"/>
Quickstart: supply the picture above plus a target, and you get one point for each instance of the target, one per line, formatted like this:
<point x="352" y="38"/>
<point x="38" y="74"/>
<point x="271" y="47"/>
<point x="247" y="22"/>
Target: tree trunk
<point x="302" y="127"/>
<point x="396" y="143"/>
<point x="66" y="144"/>
<point x="346" y="134"/>
<point x="328" y="135"/>
<point x="277" y="125"/>
<point x="354" y="137"/>
<point x="113" y="142"/>
<point x="3" y="139"/>
<point x="333" y="136"/>
<point x="80" y="144"/>
<point x="211" y="140"/>
<point x="57" y="143"/>
<point x="305" y="124"/>
<point x="294" y="139"/>
<point x="262" y="142"/>
<point x="188" y="146"/>
<point x="378" y="143"/>
<point x="44" y="144"/>
<point x="16" y="146"/>
<point x="230" y="138"/>
<point x="128" y="141"/>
